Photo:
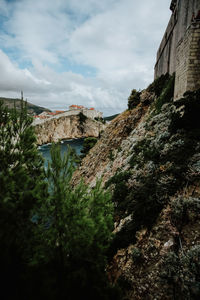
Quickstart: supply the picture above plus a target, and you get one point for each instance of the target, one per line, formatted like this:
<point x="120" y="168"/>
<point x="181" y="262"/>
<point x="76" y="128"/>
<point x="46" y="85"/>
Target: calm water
<point x="76" y="144"/>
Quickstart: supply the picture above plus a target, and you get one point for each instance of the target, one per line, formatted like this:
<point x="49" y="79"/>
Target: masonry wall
<point x="188" y="62"/>
<point x="176" y="29"/>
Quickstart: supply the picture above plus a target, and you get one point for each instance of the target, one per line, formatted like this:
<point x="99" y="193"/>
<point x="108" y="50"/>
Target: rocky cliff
<point x="150" y="160"/>
<point x="67" y="127"/>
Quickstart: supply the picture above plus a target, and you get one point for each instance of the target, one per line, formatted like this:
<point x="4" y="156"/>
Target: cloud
<point x="14" y="79"/>
<point x="121" y="40"/>
<point x="86" y="52"/>
<point x="43" y="86"/>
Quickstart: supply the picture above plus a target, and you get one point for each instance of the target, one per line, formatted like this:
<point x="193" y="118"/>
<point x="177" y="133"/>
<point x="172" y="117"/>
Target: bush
<point x="82" y="118"/>
<point x="181" y="271"/>
<point x="102" y="120"/>
<point x="183" y="209"/>
<point x="158" y="85"/>
<point x="134" y="99"/>
<point x="137" y="255"/>
<point x="187" y="113"/>
<point x="167" y="93"/>
<point x="87" y="145"/>
<point x="120" y="190"/>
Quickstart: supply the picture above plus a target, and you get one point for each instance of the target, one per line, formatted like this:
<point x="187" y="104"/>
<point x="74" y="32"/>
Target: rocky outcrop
<point x="66" y="127"/>
<point x="149" y="158"/>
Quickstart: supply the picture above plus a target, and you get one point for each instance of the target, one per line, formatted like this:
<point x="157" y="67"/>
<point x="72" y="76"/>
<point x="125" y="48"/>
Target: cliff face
<point x="67" y="127"/>
<point x="149" y="158"/>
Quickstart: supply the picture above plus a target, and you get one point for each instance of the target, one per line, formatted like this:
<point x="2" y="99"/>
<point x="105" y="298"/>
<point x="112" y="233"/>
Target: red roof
<point x="77" y="106"/>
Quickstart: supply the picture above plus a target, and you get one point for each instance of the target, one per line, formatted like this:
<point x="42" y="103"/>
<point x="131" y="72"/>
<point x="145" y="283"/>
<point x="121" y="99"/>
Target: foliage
<point x="183" y="209"/>
<point x="21" y="168"/>
<point x="181" y="272"/>
<point x="110" y="118"/>
<point x="87" y="145"/>
<point x="158" y="85"/>
<point x="166" y="94"/>
<point x="120" y="190"/>
<point x="82" y="118"/>
<point x="144" y="149"/>
<point x="74" y="231"/>
<point x="160" y="168"/>
<point x="100" y="120"/>
<point x="21" y="184"/>
<point x="137" y="255"/>
<point x="186" y="115"/>
<point x="111" y="155"/>
<point x="54" y="238"/>
<point x="134" y="99"/>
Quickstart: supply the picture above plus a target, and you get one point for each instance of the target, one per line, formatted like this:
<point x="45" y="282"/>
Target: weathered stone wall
<point x="183" y="11"/>
<point x="188" y="62"/>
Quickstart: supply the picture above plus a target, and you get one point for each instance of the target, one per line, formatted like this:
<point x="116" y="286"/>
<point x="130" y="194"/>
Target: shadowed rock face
<point x="56" y="129"/>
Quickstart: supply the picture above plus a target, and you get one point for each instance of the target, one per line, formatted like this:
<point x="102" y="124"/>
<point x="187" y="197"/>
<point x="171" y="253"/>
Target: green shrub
<point x="87" y="145"/>
<point x="181" y="271"/>
<point x="158" y="85"/>
<point x="102" y="120"/>
<point x="183" y="209"/>
<point x="111" y="156"/>
<point x="120" y="190"/>
<point x="187" y="113"/>
<point x="82" y="118"/>
<point x="166" y="94"/>
<point x="137" y="255"/>
<point x="134" y="99"/>
<point x="143" y="150"/>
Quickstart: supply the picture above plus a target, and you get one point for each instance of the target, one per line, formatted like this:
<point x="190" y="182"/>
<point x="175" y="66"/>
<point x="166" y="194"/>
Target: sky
<point x="86" y="52"/>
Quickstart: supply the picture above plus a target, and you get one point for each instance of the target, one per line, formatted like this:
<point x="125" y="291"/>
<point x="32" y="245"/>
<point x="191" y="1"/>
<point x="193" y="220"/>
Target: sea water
<point x="76" y="144"/>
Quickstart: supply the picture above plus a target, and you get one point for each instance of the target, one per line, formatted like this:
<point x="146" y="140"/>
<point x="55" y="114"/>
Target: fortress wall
<point x="177" y="26"/>
<point x="165" y="61"/>
<point x="87" y="112"/>
<point x="182" y="66"/>
<point x="188" y="62"/>
<point x="92" y="113"/>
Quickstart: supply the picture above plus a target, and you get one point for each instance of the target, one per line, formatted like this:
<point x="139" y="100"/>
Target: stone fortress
<point x="74" y="110"/>
<point x="179" y="50"/>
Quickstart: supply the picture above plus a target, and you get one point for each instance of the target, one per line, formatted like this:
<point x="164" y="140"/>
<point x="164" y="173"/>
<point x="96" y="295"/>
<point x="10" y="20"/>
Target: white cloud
<point x="117" y="38"/>
<point x="120" y="40"/>
<point x="15" y="79"/>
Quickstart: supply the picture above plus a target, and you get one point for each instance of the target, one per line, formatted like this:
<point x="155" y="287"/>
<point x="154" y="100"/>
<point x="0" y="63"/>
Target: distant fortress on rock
<point x="73" y="111"/>
<point x="179" y="50"/>
<point x="60" y="125"/>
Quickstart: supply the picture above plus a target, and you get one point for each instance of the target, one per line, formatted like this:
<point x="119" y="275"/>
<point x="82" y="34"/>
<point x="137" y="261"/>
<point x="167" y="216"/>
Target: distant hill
<point x="110" y="118"/>
<point x="32" y="109"/>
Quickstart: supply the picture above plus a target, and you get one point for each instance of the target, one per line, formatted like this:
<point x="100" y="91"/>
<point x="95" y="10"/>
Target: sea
<point x="76" y="144"/>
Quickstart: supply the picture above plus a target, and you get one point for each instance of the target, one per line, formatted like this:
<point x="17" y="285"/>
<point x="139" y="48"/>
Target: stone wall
<point x="182" y="13"/>
<point x="188" y="62"/>
<point x="92" y="114"/>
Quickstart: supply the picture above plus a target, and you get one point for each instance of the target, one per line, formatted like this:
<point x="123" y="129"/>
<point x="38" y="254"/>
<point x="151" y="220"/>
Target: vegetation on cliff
<point x="87" y="145"/>
<point x="162" y="163"/>
<point x="153" y="174"/>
